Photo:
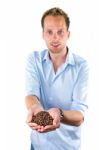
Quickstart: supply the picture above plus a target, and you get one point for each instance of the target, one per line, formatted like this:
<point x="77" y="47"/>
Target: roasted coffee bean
<point x="43" y="118"/>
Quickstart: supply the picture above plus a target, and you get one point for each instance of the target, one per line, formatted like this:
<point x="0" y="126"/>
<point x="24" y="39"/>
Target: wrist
<point x="61" y="114"/>
<point x="36" y="106"/>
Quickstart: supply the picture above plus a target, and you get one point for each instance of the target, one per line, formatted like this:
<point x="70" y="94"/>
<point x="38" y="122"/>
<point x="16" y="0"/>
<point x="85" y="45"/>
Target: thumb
<point x="29" y="118"/>
<point x="56" y="121"/>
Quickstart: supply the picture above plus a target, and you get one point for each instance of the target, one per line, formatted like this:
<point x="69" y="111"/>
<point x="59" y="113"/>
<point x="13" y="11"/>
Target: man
<point x="56" y="82"/>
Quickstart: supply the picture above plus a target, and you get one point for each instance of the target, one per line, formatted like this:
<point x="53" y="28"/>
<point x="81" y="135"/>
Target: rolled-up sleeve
<point x="32" y="84"/>
<point x="80" y="92"/>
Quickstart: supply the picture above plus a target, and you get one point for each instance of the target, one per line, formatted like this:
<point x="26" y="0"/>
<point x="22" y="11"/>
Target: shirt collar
<point x="69" y="58"/>
<point x="46" y="55"/>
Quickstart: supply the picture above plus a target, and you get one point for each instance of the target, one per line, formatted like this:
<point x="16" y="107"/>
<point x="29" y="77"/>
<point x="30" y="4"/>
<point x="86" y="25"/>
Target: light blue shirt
<point x="65" y="89"/>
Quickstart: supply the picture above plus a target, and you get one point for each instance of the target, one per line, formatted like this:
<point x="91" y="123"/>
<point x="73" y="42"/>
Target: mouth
<point x="55" y="45"/>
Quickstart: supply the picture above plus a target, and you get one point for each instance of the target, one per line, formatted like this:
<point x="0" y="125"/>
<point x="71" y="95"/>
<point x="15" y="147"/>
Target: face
<point x="55" y="33"/>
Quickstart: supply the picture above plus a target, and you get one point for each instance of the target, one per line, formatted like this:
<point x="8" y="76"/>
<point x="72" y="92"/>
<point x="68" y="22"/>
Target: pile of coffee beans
<point x="43" y="118"/>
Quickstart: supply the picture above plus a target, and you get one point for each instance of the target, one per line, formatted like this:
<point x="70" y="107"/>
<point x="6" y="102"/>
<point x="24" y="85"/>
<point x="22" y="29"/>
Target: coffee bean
<point x="43" y="118"/>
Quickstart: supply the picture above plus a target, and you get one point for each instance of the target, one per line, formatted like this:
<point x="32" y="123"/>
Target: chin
<point x="55" y="51"/>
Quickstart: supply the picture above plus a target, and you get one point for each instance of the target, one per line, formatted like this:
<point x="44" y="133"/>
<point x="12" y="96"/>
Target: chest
<point x="57" y="88"/>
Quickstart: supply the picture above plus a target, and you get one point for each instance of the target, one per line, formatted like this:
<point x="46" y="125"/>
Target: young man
<point x="56" y="82"/>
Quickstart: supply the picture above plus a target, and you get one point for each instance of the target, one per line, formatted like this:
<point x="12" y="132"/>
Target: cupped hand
<point x="32" y="112"/>
<point x="55" y="113"/>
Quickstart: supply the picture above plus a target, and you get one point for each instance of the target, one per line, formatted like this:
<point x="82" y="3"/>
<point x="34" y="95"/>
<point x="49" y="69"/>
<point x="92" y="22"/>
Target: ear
<point x="68" y="34"/>
<point x="42" y="34"/>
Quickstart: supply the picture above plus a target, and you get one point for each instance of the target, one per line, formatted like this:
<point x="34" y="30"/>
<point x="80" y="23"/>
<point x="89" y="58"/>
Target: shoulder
<point x="79" y="61"/>
<point x="37" y="55"/>
<point x="80" y="64"/>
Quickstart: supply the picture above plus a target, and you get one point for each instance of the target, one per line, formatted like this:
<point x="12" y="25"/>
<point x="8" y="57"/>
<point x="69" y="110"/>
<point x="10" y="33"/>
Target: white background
<point x="20" y="33"/>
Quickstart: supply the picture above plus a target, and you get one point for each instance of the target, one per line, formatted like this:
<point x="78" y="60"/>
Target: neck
<point x="58" y="59"/>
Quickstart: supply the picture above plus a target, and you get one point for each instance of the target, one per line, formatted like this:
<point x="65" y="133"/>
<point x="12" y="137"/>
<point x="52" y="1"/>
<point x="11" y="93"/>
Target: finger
<point x="35" y="126"/>
<point x="56" y="121"/>
<point x="40" y="129"/>
<point x="29" y="118"/>
<point x="32" y="124"/>
<point x="43" y="129"/>
<point x="46" y="130"/>
<point x="49" y="128"/>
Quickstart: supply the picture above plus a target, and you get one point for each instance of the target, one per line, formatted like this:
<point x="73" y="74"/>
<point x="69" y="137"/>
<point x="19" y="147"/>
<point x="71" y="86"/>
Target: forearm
<point x="72" y="117"/>
<point x="30" y="101"/>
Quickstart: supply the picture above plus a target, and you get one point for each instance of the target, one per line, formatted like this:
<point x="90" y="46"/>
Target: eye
<point x="49" y="32"/>
<point x="60" y="32"/>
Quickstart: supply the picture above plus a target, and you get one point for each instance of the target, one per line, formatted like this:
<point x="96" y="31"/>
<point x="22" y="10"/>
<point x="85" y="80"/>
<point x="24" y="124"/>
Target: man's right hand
<point x="32" y="112"/>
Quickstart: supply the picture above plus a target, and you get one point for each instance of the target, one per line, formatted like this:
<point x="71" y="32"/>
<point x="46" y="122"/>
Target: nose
<point x="55" y="36"/>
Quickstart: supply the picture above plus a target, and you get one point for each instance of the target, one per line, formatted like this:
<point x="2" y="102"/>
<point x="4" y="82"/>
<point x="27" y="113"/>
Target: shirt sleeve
<point x="79" y="99"/>
<point x="32" y="84"/>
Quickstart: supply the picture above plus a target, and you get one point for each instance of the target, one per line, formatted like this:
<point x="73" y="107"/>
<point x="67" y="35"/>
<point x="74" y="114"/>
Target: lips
<point x="55" y="44"/>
